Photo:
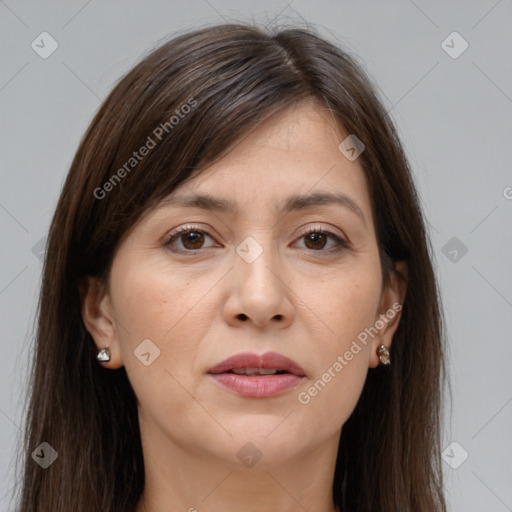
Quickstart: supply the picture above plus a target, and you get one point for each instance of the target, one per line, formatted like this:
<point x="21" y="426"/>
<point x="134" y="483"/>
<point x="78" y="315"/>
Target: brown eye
<point x="323" y="241"/>
<point x="316" y="240"/>
<point x="188" y="239"/>
<point x="192" y="239"/>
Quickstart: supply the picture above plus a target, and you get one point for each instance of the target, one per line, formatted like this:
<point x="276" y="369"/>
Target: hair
<point x="233" y="77"/>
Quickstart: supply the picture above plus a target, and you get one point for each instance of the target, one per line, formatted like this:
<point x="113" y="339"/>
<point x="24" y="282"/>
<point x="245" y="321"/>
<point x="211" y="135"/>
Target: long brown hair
<point x="232" y="77"/>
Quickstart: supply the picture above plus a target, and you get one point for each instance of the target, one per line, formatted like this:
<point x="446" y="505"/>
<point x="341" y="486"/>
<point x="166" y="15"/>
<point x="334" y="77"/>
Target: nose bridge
<point x="255" y="258"/>
<point x="259" y="292"/>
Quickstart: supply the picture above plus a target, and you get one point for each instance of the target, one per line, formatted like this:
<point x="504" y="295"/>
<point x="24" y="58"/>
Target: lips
<point x="254" y="364"/>
<point x="257" y="376"/>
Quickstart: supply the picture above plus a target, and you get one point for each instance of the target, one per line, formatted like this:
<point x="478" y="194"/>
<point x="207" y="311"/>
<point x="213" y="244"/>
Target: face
<point x="276" y="264"/>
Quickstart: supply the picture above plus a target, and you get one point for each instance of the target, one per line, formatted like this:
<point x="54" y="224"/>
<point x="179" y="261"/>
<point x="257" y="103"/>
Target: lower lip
<point x="261" y="386"/>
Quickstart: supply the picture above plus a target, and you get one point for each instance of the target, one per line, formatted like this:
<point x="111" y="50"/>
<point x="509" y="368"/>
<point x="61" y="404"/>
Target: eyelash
<point x="342" y="244"/>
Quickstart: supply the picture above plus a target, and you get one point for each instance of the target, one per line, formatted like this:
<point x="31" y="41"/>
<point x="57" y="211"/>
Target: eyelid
<point x="322" y="229"/>
<point x="341" y="240"/>
<point x="183" y="229"/>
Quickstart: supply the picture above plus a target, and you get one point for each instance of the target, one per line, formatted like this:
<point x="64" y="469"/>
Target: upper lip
<point x="251" y="360"/>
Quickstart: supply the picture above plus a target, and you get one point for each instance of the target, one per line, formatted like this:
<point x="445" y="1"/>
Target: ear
<point x="390" y="308"/>
<point x="99" y="320"/>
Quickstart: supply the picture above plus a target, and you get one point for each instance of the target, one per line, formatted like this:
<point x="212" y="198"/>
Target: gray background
<point x="453" y="115"/>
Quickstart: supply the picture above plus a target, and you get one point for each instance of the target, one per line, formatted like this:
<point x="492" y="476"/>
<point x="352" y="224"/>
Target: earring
<point x="103" y="355"/>
<point x="383" y="354"/>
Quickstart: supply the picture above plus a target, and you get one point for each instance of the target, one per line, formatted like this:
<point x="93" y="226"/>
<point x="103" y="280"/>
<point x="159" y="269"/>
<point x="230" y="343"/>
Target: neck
<point x="194" y="482"/>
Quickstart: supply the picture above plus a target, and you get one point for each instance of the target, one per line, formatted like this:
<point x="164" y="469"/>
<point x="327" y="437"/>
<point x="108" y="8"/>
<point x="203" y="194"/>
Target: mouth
<point x="258" y="376"/>
<point x="269" y="363"/>
<point x="256" y="371"/>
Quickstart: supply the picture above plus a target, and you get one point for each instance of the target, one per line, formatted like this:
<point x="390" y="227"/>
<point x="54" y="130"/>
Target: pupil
<point x="193" y="240"/>
<point x="316" y="238"/>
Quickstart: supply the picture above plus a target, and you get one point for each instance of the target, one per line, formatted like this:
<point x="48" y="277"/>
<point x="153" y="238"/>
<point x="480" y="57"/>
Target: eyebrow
<point x="295" y="202"/>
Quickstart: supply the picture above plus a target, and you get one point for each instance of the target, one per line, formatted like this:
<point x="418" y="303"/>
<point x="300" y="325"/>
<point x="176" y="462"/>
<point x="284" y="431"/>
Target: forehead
<point x="293" y="153"/>
<point x="306" y="129"/>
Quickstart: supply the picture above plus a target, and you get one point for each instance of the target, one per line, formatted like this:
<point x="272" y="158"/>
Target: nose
<point x="259" y="293"/>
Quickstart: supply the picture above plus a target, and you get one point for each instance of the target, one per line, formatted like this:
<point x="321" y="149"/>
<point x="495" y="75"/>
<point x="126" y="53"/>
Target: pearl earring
<point x="383" y="354"/>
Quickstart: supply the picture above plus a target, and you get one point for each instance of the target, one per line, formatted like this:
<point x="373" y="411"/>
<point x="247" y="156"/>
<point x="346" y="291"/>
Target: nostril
<point x="242" y="316"/>
<point x="278" y="317"/>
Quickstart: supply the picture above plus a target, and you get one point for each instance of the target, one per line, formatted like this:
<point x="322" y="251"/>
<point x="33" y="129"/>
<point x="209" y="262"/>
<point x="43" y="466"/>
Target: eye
<point x="317" y="238"/>
<point x="189" y="239"/>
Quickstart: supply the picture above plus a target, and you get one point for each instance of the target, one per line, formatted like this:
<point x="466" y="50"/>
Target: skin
<point x="189" y="306"/>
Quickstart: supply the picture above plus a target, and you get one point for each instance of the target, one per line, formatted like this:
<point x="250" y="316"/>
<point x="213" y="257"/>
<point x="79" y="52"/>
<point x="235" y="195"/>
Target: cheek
<point x="153" y="303"/>
<point x="345" y="305"/>
<point x="330" y="399"/>
<point x="154" y="300"/>
<point x="156" y="304"/>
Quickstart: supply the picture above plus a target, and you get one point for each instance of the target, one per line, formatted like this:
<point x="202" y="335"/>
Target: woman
<point x="238" y="307"/>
